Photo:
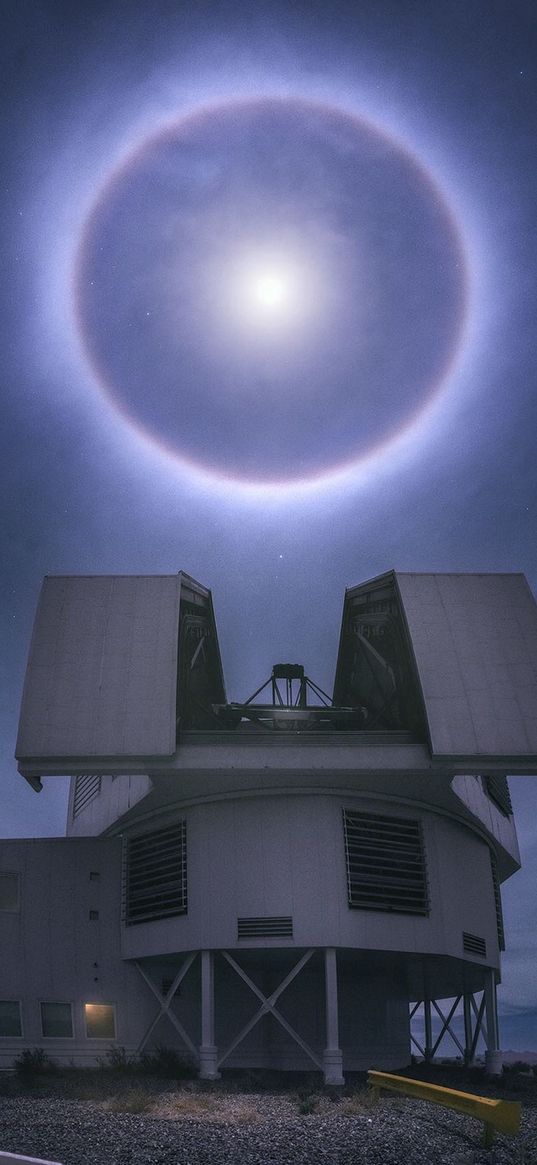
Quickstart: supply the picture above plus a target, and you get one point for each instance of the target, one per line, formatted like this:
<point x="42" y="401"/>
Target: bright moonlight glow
<point x="297" y="325"/>
<point x="271" y="290"/>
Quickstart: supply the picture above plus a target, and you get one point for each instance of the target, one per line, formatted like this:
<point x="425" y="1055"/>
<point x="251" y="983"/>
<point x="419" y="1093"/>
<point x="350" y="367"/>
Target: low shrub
<point x="116" y="1059"/>
<point x="358" y="1104"/>
<point x="34" y="1062"/>
<point x="307" y="1104"/>
<point x="163" y="1061"/>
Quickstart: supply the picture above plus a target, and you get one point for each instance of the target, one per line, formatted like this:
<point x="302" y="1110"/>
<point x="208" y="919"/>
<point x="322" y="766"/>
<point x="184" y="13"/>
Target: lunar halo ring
<point x="378" y="227"/>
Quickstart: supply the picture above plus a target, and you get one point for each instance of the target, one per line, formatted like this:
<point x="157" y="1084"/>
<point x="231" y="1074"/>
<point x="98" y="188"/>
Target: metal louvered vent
<point x="87" y="787"/>
<point x="155" y="875"/>
<point x="474" y="945"/>
<point x="385" y="863"/>
<point x="264" y="928"/>
<point x="497" y="901"/>
<point x="498" y="790"/>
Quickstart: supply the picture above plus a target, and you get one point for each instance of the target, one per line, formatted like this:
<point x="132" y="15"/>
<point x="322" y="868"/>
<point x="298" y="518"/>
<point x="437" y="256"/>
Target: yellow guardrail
<point x="500" y="1115"/>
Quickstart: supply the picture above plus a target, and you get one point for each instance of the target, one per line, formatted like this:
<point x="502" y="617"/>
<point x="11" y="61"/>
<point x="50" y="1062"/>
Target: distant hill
<point x="525" y="1057"/>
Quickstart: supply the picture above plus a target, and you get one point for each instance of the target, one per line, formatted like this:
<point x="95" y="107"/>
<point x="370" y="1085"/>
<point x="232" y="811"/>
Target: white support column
<point x="468" y="1033"/>
<point x="493" y="1056"/>
<point x="332" y="1056"/>
<point x="428" y="1030"/>
<point x="208" y="1050"/>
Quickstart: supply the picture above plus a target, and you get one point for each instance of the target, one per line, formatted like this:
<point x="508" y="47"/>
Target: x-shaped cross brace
<point x="165" y="1005"/>
<point x="268" y="1007"/>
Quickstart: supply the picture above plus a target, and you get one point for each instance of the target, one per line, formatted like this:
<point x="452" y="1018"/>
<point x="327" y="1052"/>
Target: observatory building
<point x="277" y="883"/>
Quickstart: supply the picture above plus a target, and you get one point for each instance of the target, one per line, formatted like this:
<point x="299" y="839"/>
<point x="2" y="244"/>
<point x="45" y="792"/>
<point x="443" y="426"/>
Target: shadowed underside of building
<point x="267" y="884"/>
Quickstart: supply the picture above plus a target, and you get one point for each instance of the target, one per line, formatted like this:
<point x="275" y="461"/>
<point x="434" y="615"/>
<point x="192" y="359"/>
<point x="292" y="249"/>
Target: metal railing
<point x="500" y="1115"/>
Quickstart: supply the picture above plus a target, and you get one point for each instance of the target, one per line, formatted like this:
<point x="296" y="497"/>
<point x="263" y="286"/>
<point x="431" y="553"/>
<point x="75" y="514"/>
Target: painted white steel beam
<point x="474" y="1015"/>
<point x="165" y="1005"/>
<point x="332" y="1056"/>
<point x="446" y="1026"/>
<point x="208" y="1052"/>
<point x="268" y="1007"/>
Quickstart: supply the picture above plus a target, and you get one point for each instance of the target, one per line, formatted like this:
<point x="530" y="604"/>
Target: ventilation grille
<point x="155" y="875"/>
<point x="264" y="928"/>
<point x="498" y="790"/>
<point x="87" y="787"/>
<point x="474" y="945"/>
<point x="497" y="901"/>
<point x="385" y="863"/>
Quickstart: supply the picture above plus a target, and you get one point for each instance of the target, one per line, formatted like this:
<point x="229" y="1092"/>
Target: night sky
<point x="283" y="367"/>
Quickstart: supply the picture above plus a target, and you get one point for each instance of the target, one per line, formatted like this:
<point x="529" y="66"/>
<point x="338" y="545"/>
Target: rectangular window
<point x="155" y="875"/>
<point x="9" y="892"/>
<point x="10" y="1018"/>
<point x="385" y="863"/>
<point x="57" y="1020"/>
<point x="100" y="1021"/>
<point x="94" y="914"/>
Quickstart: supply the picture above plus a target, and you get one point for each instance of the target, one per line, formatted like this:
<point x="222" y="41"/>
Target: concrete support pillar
<point x="428" y="1030"/>
<point x="332" y="1056"/>
<point x="208" y="1049"/>
<point x="468" y="1034"/>
<point x="493" y="1056"/>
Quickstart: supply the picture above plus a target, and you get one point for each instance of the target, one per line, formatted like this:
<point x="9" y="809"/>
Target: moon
<point x="270" y="290"/>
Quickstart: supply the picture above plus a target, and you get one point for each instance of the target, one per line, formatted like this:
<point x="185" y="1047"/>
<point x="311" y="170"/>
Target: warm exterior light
<point x="100" y="1021"/>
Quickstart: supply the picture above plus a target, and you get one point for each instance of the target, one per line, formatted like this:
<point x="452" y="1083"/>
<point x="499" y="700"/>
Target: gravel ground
<point x="253" y="1129"/>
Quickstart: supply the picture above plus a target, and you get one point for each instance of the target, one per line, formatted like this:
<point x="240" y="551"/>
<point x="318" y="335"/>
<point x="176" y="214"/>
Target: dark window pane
<point x="56" y="1020"/>
<point x="10" y="1018"/>
<point x="9" y="891"/>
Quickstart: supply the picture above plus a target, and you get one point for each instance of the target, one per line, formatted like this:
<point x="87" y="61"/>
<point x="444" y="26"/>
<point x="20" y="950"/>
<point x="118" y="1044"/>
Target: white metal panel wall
<point x="285" y="856"/>
<point x="52" y="950"/>
<point x="470" y="791"/>
<point x="475" y="643"/>
<point x="102" y="672"/>
<point x="116" y="796"/>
